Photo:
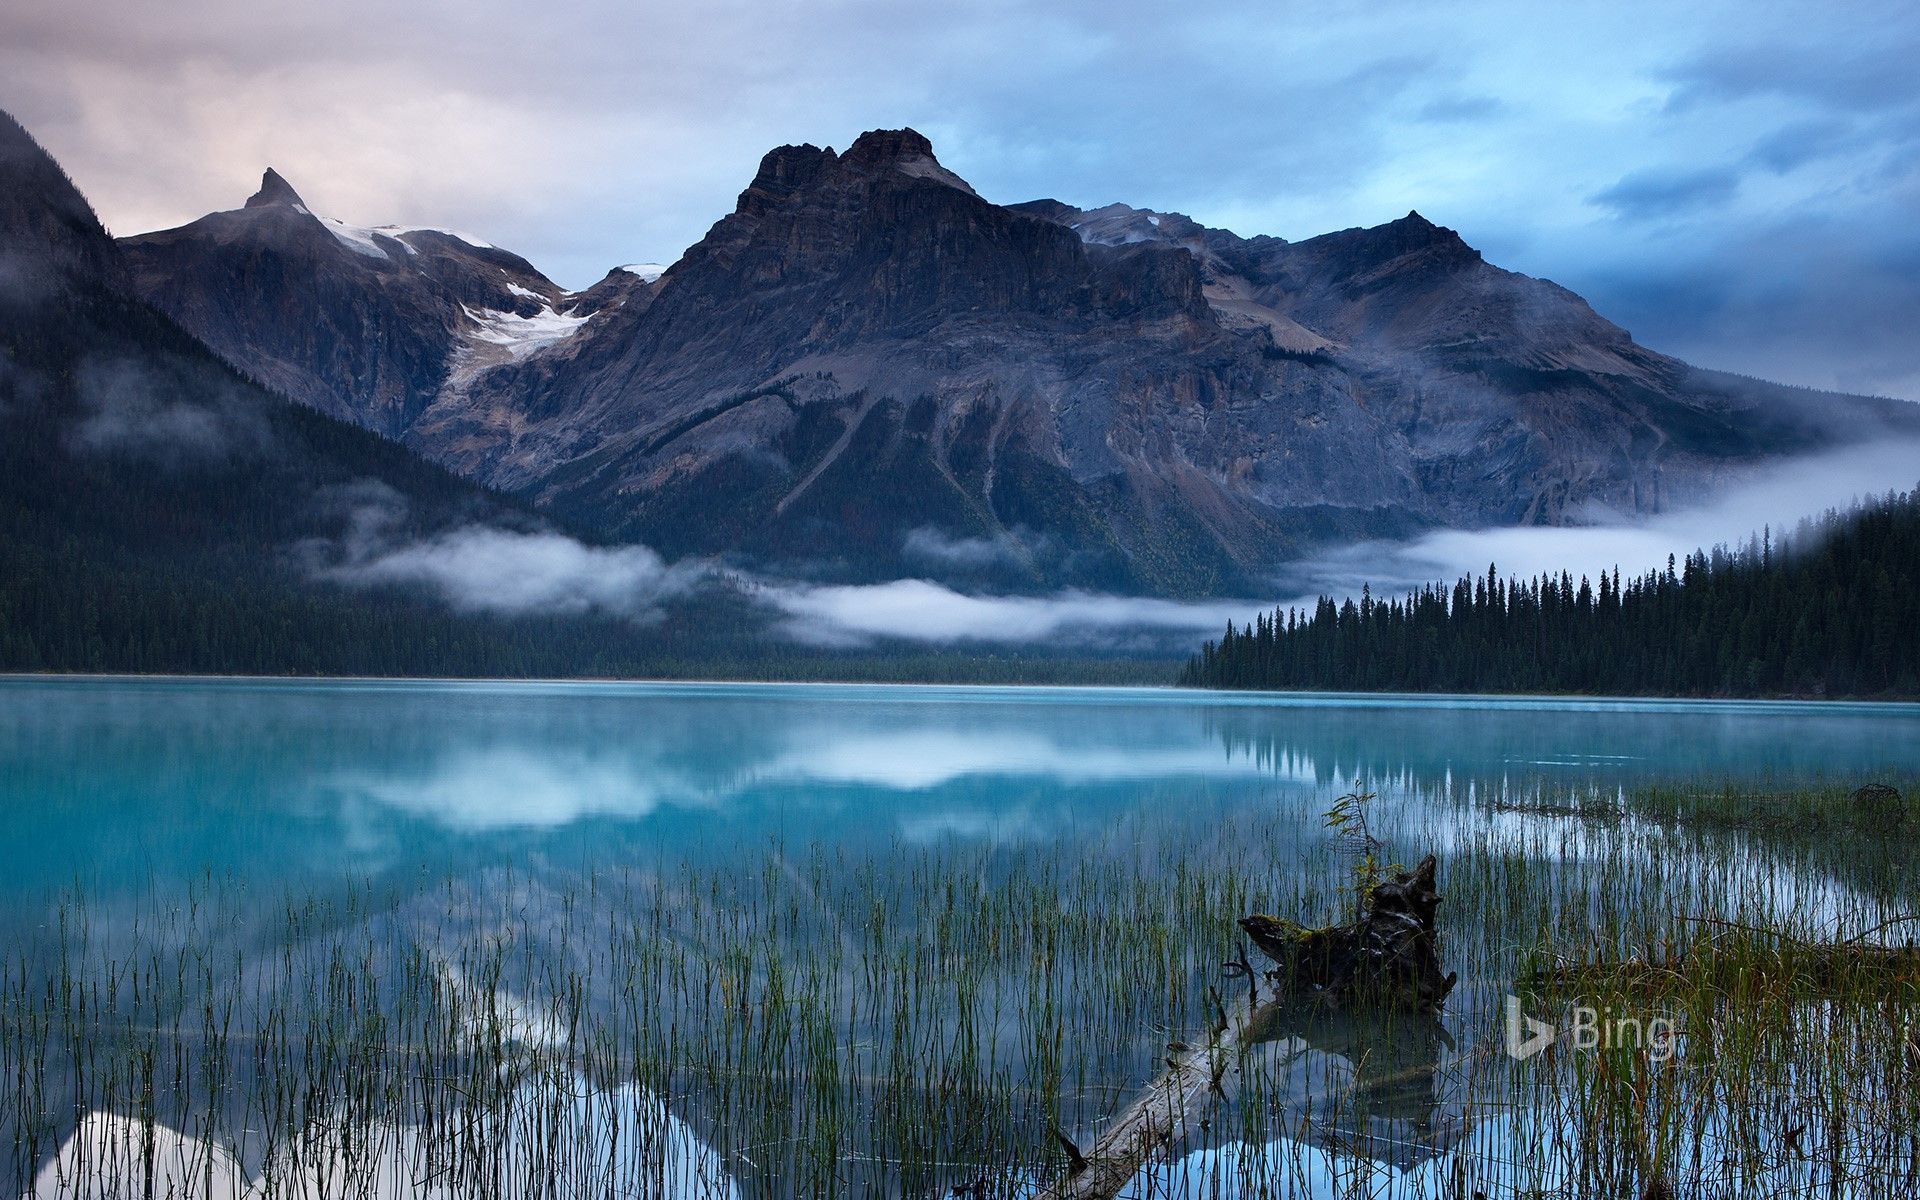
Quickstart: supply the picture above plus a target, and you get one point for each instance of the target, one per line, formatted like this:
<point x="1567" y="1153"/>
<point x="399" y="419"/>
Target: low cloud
<point x="143" y="411"/>
<point x="1778" y="497"/>
<point x="481" y="567"/>
<point x="917" y="610"/>
<point x="485" y="568"/>
<point x="935" y="547"/>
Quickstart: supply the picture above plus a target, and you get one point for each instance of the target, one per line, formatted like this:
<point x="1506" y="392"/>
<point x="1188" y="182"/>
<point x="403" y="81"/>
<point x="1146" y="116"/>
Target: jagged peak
<point x="1412" y="235"/>
<point x="905" y="150"/>
<point x="1047" y="209"/>
<point x="274" y="190"/>
<point x="1165" y="222"/>
<point x="787" y="169"/>
<point x="878" y="146"/>
<point x="1415" y="228"/>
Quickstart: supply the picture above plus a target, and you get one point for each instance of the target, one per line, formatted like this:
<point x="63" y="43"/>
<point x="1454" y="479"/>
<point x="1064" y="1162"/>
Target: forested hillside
<point x="1828" y="610"/>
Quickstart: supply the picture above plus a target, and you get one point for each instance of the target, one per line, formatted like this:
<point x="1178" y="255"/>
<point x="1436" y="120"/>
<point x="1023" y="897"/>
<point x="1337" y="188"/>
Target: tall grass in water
<point x="922" y="1019"/>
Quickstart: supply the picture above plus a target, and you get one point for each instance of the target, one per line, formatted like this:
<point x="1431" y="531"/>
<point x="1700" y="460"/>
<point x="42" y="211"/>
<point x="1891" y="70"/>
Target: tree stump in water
<point x="1387" y="959"/>
<point x="1390" y="957"/>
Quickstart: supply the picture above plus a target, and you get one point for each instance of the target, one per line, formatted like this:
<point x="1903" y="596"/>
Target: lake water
<point x="141" y="800"/>
<point x="114" y="783"/>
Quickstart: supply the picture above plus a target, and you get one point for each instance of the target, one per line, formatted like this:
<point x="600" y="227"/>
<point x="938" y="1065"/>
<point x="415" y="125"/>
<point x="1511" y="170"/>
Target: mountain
<point x="1516" y="401"/>
<point x="366" y="324"/>
<point x="867" y="370"/>
<point x="161" y="512"/>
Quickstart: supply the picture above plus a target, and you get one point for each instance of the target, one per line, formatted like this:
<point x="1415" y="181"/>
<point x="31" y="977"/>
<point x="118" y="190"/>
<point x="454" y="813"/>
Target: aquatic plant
<point x="927" y="1019"/>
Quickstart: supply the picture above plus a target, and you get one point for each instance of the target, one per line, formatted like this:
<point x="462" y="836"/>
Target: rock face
<point x="365" y="324"/>
<point x="867" y="371"/>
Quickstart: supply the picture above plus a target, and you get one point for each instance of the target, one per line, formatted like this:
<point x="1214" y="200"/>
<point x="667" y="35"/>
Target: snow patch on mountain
<point x="1118" y="225"/>
<point x="356" y="238"/>
<point x="498" y="339"/>
<point x="400" y="232"/>
<point x="648" y="272"/>
<point x="374" y="241"/>
<point x="521" y="336"/>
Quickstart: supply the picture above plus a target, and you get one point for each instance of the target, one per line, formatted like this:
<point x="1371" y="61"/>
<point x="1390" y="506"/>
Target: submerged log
<point x="1390" y="957"/>
<point x="1162" y="1112"/>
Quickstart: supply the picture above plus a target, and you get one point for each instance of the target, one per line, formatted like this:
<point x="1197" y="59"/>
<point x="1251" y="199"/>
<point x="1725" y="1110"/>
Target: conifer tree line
<point x="1832" y="609"/>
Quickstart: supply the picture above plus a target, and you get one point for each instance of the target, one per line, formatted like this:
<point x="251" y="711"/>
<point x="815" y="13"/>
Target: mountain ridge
<point x="367" y="324"/>
<point x="166" y="513"/>
<point x="865" y="358"/>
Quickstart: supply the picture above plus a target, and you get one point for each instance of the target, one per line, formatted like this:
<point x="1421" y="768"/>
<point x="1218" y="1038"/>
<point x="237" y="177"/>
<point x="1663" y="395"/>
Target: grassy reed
<point x="918" y="1021"/>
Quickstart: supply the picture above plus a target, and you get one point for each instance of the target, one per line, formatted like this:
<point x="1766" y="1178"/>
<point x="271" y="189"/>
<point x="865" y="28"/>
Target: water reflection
<point x="616" y="1142"/>
<point x="1385" y="1069"/>
<point x="112" y="780"/>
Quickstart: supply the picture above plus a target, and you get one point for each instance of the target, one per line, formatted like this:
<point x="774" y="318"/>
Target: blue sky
<point x="1735" y="183"/>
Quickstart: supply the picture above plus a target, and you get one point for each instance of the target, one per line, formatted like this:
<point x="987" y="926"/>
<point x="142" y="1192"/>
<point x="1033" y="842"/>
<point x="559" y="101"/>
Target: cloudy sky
<point x="1737" y="183"/>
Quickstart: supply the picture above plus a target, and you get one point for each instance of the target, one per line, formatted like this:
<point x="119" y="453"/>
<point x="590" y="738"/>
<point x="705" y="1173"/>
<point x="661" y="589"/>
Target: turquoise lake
<point x="116" y="783"/>
<point x="283" y="852"/>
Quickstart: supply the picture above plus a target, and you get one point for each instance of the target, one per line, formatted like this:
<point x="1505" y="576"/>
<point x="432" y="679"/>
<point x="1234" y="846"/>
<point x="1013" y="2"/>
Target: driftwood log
<point x="1162" y="1112"/>
<point x="1389" y="957"/>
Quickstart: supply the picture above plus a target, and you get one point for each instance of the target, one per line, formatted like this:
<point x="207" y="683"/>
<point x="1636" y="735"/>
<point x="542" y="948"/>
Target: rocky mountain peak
<point x="1414" y="232"/>
<point x="1048" y="209"/>
<point x="274" y="190"/>
<point x="905" y="150"/>
<point x="1123" y="224"/>
<point x="787" y="170"/>
<point x="370" y="323"/>
<point x="878" y="147"/>
<point x="1411" y="245"/>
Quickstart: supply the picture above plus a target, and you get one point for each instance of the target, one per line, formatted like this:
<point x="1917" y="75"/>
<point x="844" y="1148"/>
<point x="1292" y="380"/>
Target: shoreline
<point x="1227" y="697"/>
